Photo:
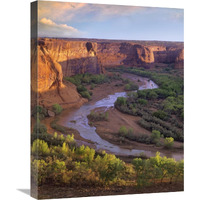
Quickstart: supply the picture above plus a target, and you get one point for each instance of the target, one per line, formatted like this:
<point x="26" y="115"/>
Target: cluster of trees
<point x="157" y="169"/>
<point x="131" y="86"/>
<point x="169" y="85"/>
<point x="81" y="80"/>
<point x="161" y="109"/>
<point x="151" y="120"/>
<point x="88" y="79"/>
<point x="83" y="91"/>
<point x="66" y="164"/>
<point x="174" y="105"/>
<point x="40" y="112"/>
<point x="124" y="132"/>
<point x="98" y="116"/>
<point x="62" y="162"/>
<point x="154" y="138"/>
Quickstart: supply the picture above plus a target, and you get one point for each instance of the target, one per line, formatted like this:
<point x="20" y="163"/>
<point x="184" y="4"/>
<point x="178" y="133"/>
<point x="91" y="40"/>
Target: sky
<point x="82" y="20"/>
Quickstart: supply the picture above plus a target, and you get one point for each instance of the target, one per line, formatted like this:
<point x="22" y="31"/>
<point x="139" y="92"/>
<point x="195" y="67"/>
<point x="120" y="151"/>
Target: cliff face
<point x="133" y="54"/>
<point x="138" y="55"/>
<point x="47" y="86"/>
<point x="179" y="62"/>
<point x="73" y="56"/>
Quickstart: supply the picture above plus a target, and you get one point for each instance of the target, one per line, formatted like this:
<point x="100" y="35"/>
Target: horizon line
<point x="110" y="39"/>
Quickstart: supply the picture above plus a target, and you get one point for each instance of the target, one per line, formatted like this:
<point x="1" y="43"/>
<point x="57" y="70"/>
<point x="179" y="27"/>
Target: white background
<point x="15" y="98"/>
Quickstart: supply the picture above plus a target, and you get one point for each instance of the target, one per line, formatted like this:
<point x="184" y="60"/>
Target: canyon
<point x="52" y="59"/>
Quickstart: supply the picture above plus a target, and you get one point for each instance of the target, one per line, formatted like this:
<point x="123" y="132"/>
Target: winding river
<point x="78" y="120"/>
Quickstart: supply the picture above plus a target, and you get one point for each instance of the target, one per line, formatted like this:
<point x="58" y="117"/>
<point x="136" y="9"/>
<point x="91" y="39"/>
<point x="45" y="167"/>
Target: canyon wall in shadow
<point x="141" y="54"/>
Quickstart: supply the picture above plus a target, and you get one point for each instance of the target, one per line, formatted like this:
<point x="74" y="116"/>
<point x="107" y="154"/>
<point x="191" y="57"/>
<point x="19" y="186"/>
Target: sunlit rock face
<point x="47" y="80"/>
<point x="74" y="56"/>
<point x="53" y="59"/>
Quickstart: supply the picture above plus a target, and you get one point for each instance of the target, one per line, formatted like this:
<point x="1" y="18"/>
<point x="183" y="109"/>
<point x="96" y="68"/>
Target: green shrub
<point x="92" y="86"/>
<point x="55" y="135"/>
<point x="160" y="114"/>
<point x="70" y="139"/>
<point x="131" y="86"/>
<point x="75" y="80"/>
<point x="155" y="136"/>
<point x="40" y="147"/>
<point x="40" y="112"/>
<point x="109" y="167"/>
<point x="57" y="108"/>
<point x="132" y="95"/>
<point x="142" y="101"/>
<point x="56" y="170"/>
<point x="120" y="101"/>
<point x="39" y="171"/>
<point x="142" y="94"/>
<point x="130" y="131"/>
<point x="81" y="88"/>
<point x="169" y="142"/>
<point x="123" y="131"/>
<point x="39" y="128"/>
<point x="85" y="94"/>
<point x="152" y="95"/>
<point x="156" y="168"/>
<point x="98" y="116"/>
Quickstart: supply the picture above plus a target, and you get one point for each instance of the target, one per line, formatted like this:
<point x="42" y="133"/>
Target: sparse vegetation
<point x="86" y="95"/>
<point x="98" y="116"/>
<point x="39" y="112"/>
<point x="123" y="131"/>
<point x="169" y="142"/>
<point x="160" y="109"/>
<point x="82" y="80"/>
<point x="131" y="86"/>
<point x="57" y="108"/>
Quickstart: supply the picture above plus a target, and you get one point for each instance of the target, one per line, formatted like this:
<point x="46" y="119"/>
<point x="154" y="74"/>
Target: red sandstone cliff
<point x="73" y="56"/>
<point x="47" y="86"/>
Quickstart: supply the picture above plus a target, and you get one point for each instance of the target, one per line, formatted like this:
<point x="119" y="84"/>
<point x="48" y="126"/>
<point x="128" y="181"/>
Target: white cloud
<point x="58" y="11"/>
<point x="65" y="12"/>
<point x="48" y="28"/>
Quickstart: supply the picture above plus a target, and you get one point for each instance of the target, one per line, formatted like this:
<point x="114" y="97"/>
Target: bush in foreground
<point x="40" y="147"/>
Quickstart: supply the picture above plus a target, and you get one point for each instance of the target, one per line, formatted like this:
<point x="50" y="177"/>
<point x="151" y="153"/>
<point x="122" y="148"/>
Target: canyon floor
<point x="108" y="130"/>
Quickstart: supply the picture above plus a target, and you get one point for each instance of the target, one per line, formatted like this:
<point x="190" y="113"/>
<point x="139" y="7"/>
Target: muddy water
<point x="78" y="120"/>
